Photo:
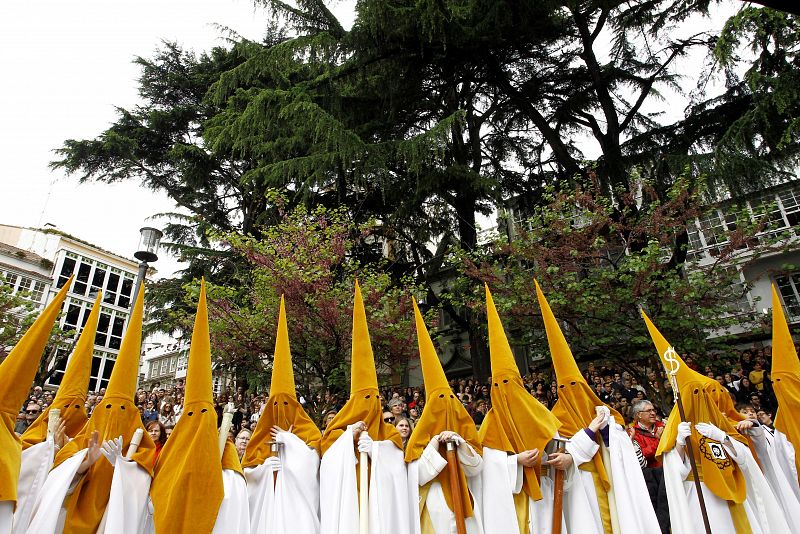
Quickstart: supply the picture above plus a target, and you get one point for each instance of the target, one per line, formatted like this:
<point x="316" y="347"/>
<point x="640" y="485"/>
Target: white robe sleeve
<point x="233" y="515"/>
<point x="430" y="465"/>
<point x="287" y="504"/>
<point x="49" y="512"/>
<point x="502" y="479"/>
<point x="780" y="483"/>
<point x="786" y="458"/>
<point x="388" y="490"/>
<point x="127" y="502"/>
<point x="581" y="511"/>
<point x="6" y="516"/>
<point x="338" y="487"/>
<point x="36" y="463"/>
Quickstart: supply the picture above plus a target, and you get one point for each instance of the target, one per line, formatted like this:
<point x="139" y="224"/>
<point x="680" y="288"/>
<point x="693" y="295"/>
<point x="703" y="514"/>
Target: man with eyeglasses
<point x="646" y="431"/>
<point x="31" y="413"/>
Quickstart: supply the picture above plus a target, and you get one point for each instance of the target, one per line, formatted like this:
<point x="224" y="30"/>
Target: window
<point x="11" y="280"/>
<point x="789" y="288"/>
<point x="164" y="366"/>
<point x="37" y="291"/>
<point x="82" y="280"/>
<point x="115" y="341"/>
<point x="102" y="329"/>
<point x="72" y="317"/>
<point x="67" y="269"/>
<point x="173" y="364"/>
<point x="790" y="201"/>
<point x="61" y="365"/>
<point x="125" y="292"/>
<point x="98" y="278"/>
<point x="153" y="369"/>
<point x="110" y="296"/>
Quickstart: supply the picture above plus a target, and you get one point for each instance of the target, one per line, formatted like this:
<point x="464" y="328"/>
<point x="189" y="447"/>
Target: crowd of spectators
<point x="745" y="375"/>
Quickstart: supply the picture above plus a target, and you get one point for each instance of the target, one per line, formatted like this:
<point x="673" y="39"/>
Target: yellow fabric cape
<point x="700" y="396"/>
<point x="785" y="378"/>
<point x="516" y="422"/>
<point x="282" y="407"/>
<point x="442" y="411"/>
<point x="575" y="407"/>
<point x="16" y="374"/>
<point x="365" y="402"/>
<point x="71" y="395"/>
<point x="116" y="415"/>
<point x="187" y="489"/>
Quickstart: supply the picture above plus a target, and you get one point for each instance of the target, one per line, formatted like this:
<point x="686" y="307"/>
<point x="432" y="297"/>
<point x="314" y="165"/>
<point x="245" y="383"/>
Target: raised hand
<point x="112" y="449"/>
<point x="92" y="454"/>
<point x="711" y="431"/>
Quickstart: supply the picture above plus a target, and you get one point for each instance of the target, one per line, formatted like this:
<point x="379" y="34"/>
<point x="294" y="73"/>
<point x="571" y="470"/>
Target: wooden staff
<point x="455" y="487"/>
<point x="136" y="440"/>
<point x="558" y="488"/>
<point x="363" y="491"/>
<point x="53" y="419"/>
<point x="674" y="365"/>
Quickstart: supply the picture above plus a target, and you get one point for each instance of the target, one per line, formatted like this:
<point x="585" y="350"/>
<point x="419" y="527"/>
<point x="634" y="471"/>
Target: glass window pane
<point x="82" y="280"/>
<point x="66" y="270"/>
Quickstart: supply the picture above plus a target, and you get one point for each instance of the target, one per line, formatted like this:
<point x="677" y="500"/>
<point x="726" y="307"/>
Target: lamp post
<point x="147" y="253"/>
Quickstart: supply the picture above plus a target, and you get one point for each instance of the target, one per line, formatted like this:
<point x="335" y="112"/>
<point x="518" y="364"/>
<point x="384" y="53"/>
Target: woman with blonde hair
<point x="405" y="427"/>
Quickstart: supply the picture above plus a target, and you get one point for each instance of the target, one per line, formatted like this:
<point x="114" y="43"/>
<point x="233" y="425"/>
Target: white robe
<point x="124" y="511"/>
<point x="763" y="510"/>
<point x="36" y="463"/>
<point x="426" y="469"/>
<point x="233" y="515"/>
<point x="288" y="504"/>
<point x="631" y="498"/>
<point x="6" y="516"/>
<point x="388" y="489"/>
<point x="49" y="512"/>
<point x="784" y="487"/>
<point x="127" y="502"/>
<point x="502" y="478"/>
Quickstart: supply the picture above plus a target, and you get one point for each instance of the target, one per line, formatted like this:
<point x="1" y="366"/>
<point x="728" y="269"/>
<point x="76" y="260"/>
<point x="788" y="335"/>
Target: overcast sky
<point x="66" y="65"/>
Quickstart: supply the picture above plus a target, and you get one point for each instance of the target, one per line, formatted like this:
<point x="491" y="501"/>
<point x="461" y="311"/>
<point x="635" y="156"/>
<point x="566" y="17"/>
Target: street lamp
<point x="148" y="253"/>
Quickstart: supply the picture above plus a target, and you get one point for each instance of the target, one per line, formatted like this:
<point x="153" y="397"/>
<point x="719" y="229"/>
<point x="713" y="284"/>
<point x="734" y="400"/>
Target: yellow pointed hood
<point x="16" y="374"/>
<point x="71" y="395"/>
<point x="701" y="398"/>
<point x="187" y="489"/>
<point x="576" y="403"/>
<point x="364" y="403"/>
<point x="442" y="411"/>
<point x="282" y="407"/>
<point x="785" y="377"/>
<point x="516" y="422"/>
<point x="115" y="415"/>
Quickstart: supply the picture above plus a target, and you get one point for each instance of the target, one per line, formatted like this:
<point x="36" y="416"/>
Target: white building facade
<point x="95" y="270"/>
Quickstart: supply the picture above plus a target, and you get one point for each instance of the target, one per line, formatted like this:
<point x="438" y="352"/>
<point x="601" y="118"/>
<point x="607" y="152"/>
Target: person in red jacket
<point x="646" y="432"/>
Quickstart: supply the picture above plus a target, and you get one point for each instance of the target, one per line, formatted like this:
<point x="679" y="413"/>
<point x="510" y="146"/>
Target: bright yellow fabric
<point x="282" y="407"/>
<point x="785" y="377"/>
<point x="576" y="404"/>
<point x="443" y="411"/>
<point x="517" y="422"/>
<point x="71" y="395"/>
<point x="115" y="416"/>
<point x="522" y="510"/>
<point x="700" y="396"/>
<point x="364" y="403"/>
<point x="230" y="458"/>
<point x="187" y="489"/>
<point x="16" y="375"/>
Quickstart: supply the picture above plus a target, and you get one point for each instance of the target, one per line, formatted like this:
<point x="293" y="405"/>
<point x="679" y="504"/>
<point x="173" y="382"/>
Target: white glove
<point x="458" y="440"/>
<point x="684" y="431"/>
<point x="112" y="449"/>
<point x="273" y="463"/>
<point x="606" y="412"/>
<point x="711" y="432"/>
<point x="365" y="443"/>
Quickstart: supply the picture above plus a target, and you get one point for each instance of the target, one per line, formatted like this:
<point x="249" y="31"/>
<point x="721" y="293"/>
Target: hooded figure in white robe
<point x="359" y="427"/>
<point x="737" y="497"/>
<point x="281" y="462"/>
